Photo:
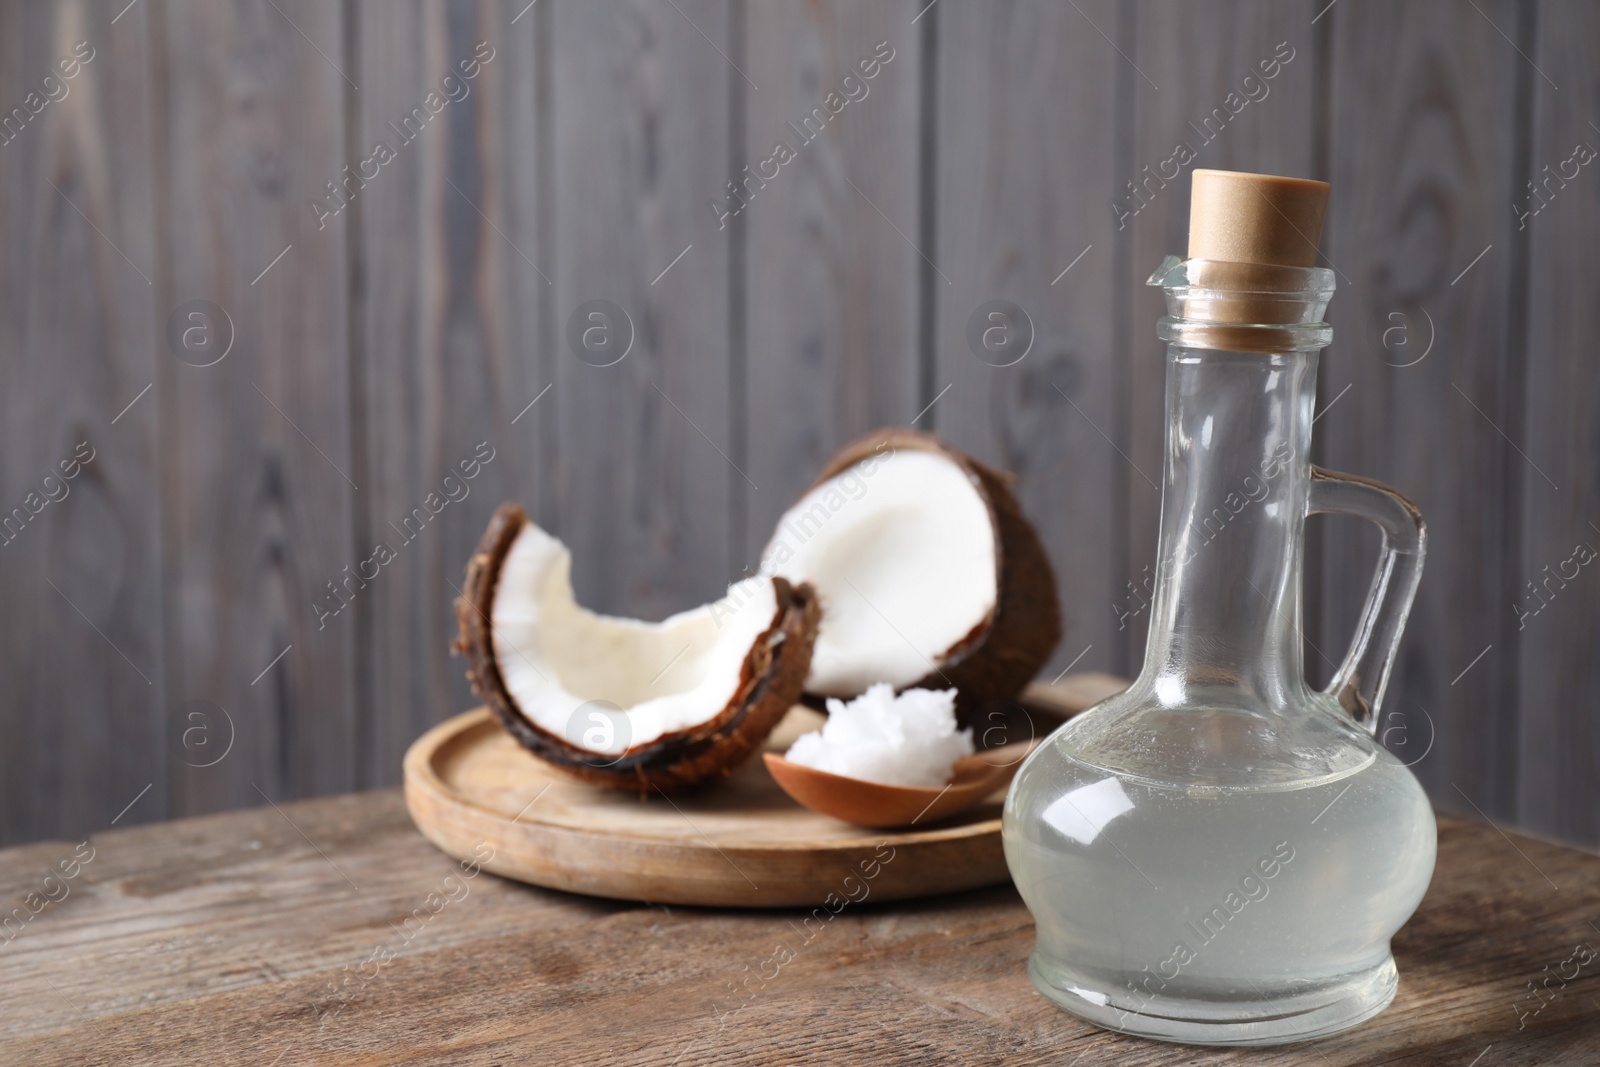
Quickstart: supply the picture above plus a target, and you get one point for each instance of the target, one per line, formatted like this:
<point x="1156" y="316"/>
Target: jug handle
<point x="1359" y="683"/>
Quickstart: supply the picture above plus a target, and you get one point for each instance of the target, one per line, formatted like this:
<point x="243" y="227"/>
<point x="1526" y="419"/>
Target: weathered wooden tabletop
<point x="329" y="931"/>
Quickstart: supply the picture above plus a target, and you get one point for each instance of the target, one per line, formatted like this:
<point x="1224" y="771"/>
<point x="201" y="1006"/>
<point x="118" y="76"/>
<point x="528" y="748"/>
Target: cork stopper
<point x="1255" y="218"/>
<point x="1251" y="226"/>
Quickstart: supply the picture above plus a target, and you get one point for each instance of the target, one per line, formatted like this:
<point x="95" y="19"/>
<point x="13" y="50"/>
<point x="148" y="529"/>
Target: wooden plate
<point x="471" y="789"/>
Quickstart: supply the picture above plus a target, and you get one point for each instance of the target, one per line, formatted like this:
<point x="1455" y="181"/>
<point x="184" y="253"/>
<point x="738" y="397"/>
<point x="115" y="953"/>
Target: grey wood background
<point x="162" y="654"/>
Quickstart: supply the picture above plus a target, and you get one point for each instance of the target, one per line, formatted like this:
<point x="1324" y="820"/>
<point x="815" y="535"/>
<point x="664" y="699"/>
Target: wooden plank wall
<point x="186" y="635"/>
<point x="85" y="686"/>
<point x="1555" y="739"/>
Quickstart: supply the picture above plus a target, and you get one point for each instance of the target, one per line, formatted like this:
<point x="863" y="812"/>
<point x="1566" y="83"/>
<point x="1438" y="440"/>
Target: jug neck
<point x="1236" y="478"/>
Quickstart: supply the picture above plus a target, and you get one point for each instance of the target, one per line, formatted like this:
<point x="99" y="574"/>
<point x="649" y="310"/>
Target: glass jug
<point x="1220" y="854"/>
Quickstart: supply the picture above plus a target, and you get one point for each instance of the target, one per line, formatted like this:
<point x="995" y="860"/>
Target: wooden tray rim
<point x="419" y="773"/>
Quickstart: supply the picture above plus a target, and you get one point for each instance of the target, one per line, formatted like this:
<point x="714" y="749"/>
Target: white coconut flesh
<point x="901" y="550"/>
<point x="562" y="663"/>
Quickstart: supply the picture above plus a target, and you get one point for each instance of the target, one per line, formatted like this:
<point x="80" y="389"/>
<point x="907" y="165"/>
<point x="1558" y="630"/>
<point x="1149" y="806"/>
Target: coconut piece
<point x="928" y="573"/>
<point x="621" y="702"/>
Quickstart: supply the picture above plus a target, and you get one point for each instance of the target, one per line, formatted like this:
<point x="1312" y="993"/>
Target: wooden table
<point x="252" y="938"/>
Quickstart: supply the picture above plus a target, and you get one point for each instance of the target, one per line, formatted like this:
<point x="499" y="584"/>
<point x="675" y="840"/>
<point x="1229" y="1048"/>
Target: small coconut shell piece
<point x="770" y="677"/>
<point x="991" y="653"/>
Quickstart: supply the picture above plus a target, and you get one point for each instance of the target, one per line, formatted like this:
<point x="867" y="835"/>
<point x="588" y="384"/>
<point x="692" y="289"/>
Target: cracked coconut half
<point x="619" y="702"/>
<point x="928" y="573"/>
